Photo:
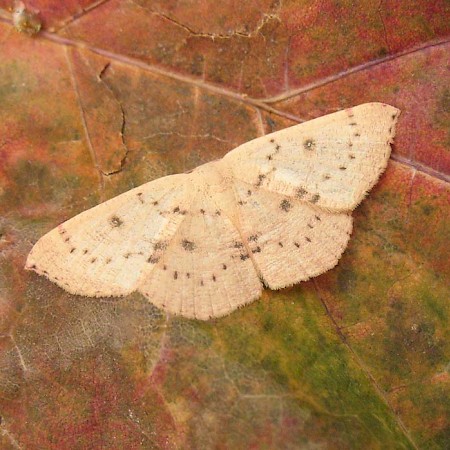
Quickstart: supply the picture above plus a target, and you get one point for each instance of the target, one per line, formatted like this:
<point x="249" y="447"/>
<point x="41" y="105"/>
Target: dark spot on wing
<point x="93" y="260"/>
<point x="176" y="209"/>
<point x="280" y="244"/>
<point x="310" y="226"/>
<point x="115" y="221"/>
<point x="175" y="275"/>
<point x="240" y="202"/>
<point x="214" y="278"/>
<point x="202" y="211"/>
<point x="285" y="205"/>
<point x="189" y="246"/>
<point x="153" y="259"/>
<point x="326" y="177"/>
<point x="269" y="157"/>
<point x="308" y="239"/>
<point x="257" y="250"/>
<point x="260" y="180"/>
<point x="317" y="218"/>
<point x="224" y="266"/>
<point x="253" y="238"/>
<point x="357" y="135"/>
<point x="272" y="140"/>
<point x="139" y="196"/>
<point x="301" y="192"/>
<point x="315" y="198"/>
<point x="342" y="168"/>
<point x="218" y="212"/>
<point x="160" y="245"/>
<point x="72" y="249"/>
<point x="85" y="251"/>
<point x="309" y="144"/>
<point x="127" y="255"/>
<point x="249" y="192"/>
<point x="297" y="244"/>
<point x="188" y="275"/>
<point x="201" y="283"/>
<point x="353" y="124"/>
<point x="351" y="156"/>
<point x="244" y="257"/>
<point x="238" y="244"/>
<point x="108" y="260"/>
<point x="164" y="267"/>
<point x="155" y="202"/>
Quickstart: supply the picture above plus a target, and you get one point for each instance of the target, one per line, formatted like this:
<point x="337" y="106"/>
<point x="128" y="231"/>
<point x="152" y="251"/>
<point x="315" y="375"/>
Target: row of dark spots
<point x="277" y="149"/>
<point x="188" y="275"/>
<point x="177" y="210"/>
<point x="307" y="239"/>
<point x="302" y="192"/>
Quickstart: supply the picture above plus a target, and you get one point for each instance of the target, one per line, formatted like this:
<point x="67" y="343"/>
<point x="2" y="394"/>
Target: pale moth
<point x="272" y="212"/>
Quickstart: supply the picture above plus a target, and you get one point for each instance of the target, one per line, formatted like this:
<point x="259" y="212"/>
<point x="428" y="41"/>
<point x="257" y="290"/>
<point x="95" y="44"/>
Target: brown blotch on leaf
<point x="309" y="144"/>
<point x="285" y="205"/>
<point x="116" y="221"/>
<point x="189" y="246"/>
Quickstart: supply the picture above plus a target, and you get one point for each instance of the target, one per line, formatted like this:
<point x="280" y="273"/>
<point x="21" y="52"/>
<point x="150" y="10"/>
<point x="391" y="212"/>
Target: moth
<point x="272" y="212"/>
